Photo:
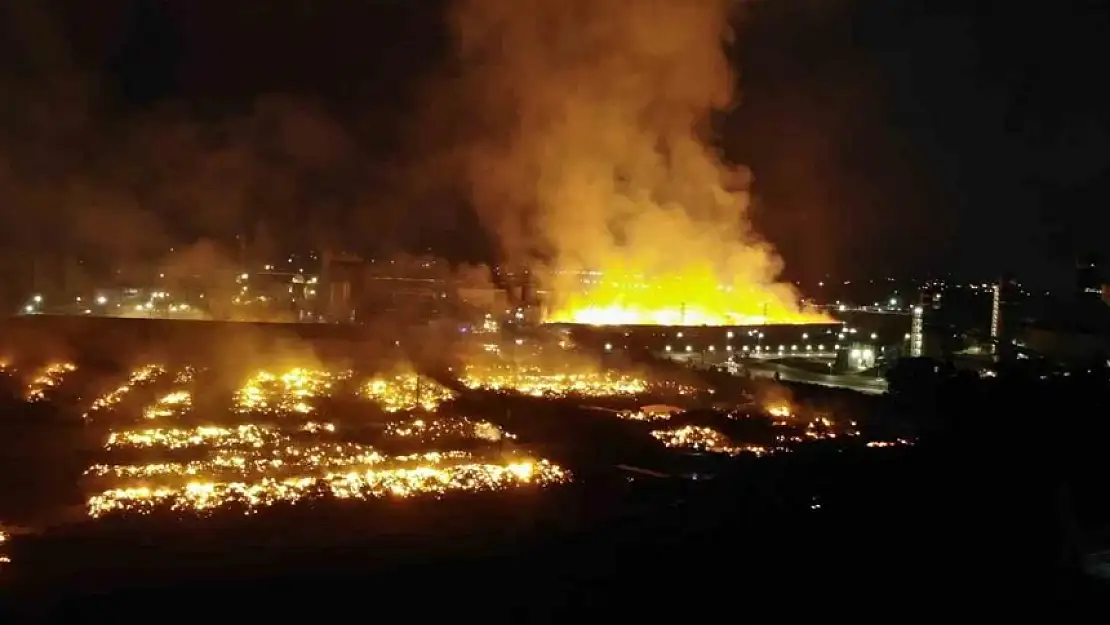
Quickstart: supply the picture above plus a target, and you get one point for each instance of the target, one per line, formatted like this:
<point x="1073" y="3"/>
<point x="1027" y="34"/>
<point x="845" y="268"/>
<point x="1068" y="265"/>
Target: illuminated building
<point x="339" y="275"/>
<point x="707" y="345"/>
<point x="996" y="317"/>
<point x="917" y="333"/>
<point x="856" y="356"/>
<point x="1004" y="295"/>
<point x="420" y="288"/>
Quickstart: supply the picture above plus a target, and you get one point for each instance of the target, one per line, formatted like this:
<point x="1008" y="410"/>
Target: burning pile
<point x="656" y="412"/>
<point x="353" y="483"/>
<point x="288" y="392"/>
<point x="700" y="438"/>
<point x="404" y="392"/>
<point x="169" y="405"/>
<point x="139" y="377"/>
<point x="213" y="437"/>
<point x="256" y="466"/>
<point x="253" y="465"/>
<point x="433" y="430"/>
<point x="539" y="382"/>
<point x="48" y="377"/>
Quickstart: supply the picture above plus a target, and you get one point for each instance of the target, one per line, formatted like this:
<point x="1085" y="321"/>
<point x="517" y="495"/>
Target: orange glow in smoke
<point x="696" y="299"/>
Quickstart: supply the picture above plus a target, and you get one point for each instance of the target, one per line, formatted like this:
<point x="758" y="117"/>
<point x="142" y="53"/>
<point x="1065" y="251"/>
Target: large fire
<point x="680" y="300"/>
<point x="589" y="153"/>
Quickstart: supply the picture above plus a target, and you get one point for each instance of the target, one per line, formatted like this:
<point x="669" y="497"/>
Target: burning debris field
<point x="190" y="445"/>
<point x="278" y="441"/>
<point x="184" y="439"/>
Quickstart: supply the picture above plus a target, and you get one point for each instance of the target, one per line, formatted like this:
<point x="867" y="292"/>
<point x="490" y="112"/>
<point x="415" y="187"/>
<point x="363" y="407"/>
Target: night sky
<point x="886" y="136"/>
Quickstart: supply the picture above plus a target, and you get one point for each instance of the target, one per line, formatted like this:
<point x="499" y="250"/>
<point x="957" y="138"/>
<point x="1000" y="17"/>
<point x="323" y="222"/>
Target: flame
<point x="597" y="163"/>
<point x="685" y="296"/>
<point x="780" y="411"/>
<point x="695" y="299"/>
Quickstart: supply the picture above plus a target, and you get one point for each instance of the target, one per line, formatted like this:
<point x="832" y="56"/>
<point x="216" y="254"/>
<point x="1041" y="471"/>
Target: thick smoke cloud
<point x="578" y="131"/>
<point x="82" y="177"/>
<point x="587" y="145"/>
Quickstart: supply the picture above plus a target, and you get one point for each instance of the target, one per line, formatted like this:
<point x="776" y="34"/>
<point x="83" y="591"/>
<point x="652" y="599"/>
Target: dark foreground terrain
<point x="987" y="515"/>
<point x="896" y="534"/>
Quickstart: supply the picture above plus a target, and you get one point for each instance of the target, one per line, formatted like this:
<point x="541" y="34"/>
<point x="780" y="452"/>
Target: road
<point x="862" y="384"/>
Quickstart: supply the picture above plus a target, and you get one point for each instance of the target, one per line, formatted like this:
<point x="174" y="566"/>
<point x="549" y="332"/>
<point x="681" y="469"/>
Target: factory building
<point x="353" y="290"/>
<point x="711" y="345"/>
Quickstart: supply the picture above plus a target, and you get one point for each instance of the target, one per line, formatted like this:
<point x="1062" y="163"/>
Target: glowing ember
<point x="899" y="442"/>
<point x="253" y="466"/>
<point x="406" y="392"/>
<point x="169" y="405"/>
<point x="699" y="438"/>
<point x="139" y="377"/>
<point x="265" y="463"/>
<point x="285" y="393"/>
<point x="539" y="383"/>
<point x="185" y="376"/>
<point x="655" y="412"/>
<point x="49" y="377"/>
<point x="436" y="429"/>
<point x="210" y="436"/>
<point x="371" y="483"/>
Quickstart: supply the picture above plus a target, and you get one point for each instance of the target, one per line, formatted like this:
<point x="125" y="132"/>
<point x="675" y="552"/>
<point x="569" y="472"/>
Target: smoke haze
<point x="85" y="175"/>
<point x="588" y="149"/>
<point x="578" y="131"/>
